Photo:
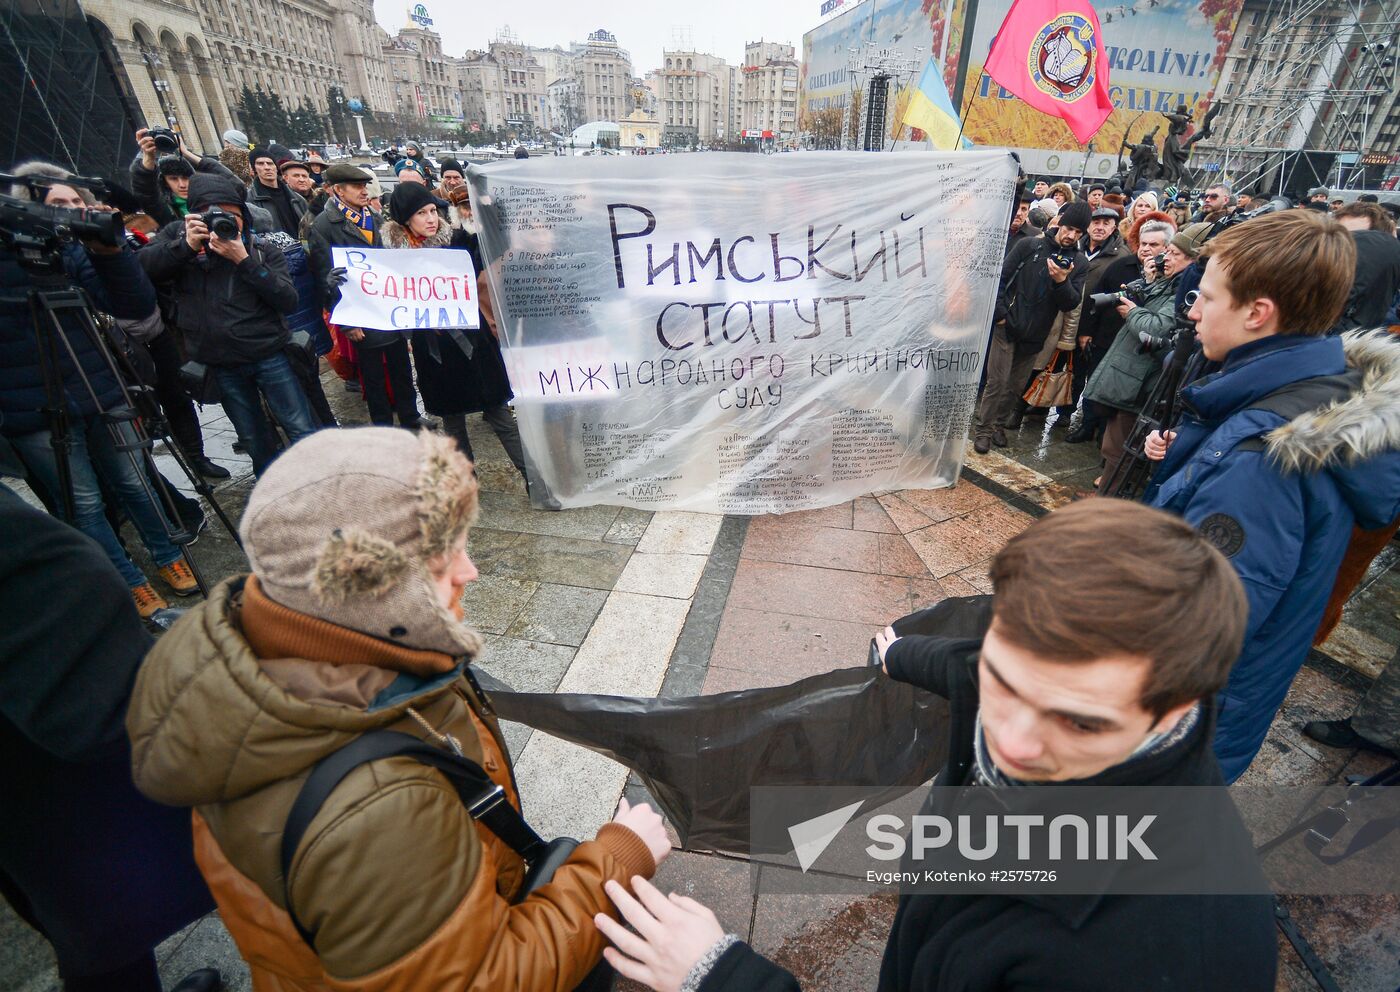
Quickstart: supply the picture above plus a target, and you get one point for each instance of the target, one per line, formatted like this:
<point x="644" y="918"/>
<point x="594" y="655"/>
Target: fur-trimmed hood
<point x="394" y="235"/>
<point x="1362" y="426"/>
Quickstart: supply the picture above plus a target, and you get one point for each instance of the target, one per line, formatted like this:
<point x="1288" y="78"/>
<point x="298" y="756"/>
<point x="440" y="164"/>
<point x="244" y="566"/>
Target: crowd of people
<point x="347" y="638"/>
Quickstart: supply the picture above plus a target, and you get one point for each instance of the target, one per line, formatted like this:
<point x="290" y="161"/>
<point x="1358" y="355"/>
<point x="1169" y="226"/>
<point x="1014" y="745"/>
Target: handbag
<point x="1053" y="386"/>
<point x="199" y="384"/>
<point x="485" y="801"/>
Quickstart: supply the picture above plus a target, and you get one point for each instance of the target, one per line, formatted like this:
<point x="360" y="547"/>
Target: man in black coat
<point x="348" y="222"/>
<point x="1033" y="289"/>
<point x="1377" y="266"/>
<point x="102" y="872"/>
<point x="1050" y="696"/>
<point x="231" y="295"/>
<point x="271" y="193"/>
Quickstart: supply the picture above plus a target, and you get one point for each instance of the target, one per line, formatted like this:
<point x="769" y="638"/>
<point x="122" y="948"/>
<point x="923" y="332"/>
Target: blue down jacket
<point x="1282" y="508"/>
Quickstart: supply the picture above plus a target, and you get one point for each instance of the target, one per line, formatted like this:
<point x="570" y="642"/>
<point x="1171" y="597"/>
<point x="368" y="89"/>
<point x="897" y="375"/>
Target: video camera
<point x="35" y="231"/>
<point x="1136" y="291"/>
<point x="167" y="141"/>
<point x="1273" y="206"/>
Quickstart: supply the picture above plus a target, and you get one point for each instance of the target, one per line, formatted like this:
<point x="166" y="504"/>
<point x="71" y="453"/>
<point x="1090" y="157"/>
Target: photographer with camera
<point x="349" y="634"/>
<point x="231" y="292"/>
<point x="1283" y="450"/>
<point x="1040" y="278"/>
<point x="1133" y="362"/>
<point x="1047" y="696"/>
<point x="160" y="174"/>
<point x="112" y="278"/>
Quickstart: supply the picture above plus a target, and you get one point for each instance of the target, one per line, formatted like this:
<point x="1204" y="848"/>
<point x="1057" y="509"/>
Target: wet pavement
<point x="615" y="600"/>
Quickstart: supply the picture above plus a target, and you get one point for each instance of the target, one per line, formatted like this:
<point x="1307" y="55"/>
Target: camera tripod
<point x="131" y="425"/>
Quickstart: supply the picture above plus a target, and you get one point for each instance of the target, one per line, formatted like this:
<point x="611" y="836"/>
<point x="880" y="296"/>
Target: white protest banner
<point x="743" y="333"/>
<point x="406" y="289"/>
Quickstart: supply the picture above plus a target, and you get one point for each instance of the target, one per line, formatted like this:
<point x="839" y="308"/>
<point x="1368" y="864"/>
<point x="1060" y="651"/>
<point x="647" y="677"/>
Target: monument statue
<point x="1143" y="163"/>
<point x="1175" y="150"/>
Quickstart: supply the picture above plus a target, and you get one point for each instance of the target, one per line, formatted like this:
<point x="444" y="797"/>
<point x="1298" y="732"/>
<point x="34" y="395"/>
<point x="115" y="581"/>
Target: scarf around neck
<point x="362" y="219"/>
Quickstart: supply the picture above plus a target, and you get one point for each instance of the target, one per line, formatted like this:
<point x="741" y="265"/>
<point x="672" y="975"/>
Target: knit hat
<point x="1075" y="215"/>
<point x="258" y="153"/>
<point x="279" y="152"/>
<point x="409" y="198"/>
<point x="173" y="165"/>
<point x="342" y="526"/>
<point x="237" y="138"/>
<point x="374" y="188"/>
<point x="343" y="173"/>
<point x="446" y="165"/>
<point x="1192" y="238"/>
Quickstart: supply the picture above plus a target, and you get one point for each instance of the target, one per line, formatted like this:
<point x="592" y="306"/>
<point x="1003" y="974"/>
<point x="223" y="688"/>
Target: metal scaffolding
<point x="1318" y="80"/>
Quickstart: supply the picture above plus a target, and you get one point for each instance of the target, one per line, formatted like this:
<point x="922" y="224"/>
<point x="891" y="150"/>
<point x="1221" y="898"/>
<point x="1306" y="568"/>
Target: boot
<point x="982" y="444"/>
<point x="1018" y="416"/>
<point x="207" y="468"/>
<point x="148" y="601"/>
<point x="999" y="437"/>
<point x="1339" y="733"/>
<point x="1082" y="433"/>
<point x="178" y="576"/>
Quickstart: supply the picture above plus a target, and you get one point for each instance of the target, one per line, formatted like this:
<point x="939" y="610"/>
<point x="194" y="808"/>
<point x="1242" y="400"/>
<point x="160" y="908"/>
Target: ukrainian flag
<point x="930" y="110"/>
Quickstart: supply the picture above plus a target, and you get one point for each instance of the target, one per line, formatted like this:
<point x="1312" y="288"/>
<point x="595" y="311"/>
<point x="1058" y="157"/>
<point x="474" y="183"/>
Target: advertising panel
<point x="1160" y="54"/>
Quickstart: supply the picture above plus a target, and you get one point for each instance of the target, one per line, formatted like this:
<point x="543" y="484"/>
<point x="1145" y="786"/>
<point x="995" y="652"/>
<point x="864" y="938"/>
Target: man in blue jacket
<point x="1295" y="439"/>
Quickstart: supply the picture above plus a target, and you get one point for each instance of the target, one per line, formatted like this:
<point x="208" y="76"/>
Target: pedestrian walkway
<point x="621" y="601"/>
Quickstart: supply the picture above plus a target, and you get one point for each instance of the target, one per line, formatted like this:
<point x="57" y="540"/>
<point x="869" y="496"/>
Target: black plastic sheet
<point x="699" y="756"/>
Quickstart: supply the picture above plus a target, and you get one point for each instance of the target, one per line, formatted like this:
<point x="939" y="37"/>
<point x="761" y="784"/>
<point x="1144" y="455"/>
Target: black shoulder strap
<point x="1297" y="398"/>
<point x="484" y="799"/>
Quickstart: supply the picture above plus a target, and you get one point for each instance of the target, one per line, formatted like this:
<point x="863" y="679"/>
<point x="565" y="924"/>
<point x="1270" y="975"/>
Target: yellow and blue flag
<point x="930" y="110"/>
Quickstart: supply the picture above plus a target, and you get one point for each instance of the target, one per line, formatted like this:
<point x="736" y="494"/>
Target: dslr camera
<point x="167" y="141"/>
<point x="221" y="223"/>
<point x="1136" y="291"/>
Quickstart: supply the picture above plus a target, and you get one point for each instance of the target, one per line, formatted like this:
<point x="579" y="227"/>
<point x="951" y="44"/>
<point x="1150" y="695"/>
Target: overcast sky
<point x="643" y="27"/>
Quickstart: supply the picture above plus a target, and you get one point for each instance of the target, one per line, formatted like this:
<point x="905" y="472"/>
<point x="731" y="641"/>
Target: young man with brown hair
<point x="1293" y="441"/>
<point x="1051" y="696"/>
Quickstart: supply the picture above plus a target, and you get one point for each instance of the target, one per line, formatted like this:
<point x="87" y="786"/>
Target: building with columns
<point x="604" y="74"/>
<point x="359" y="47"/>
<point x="286" y="47"/>
<point x="423" y="82"/>
<point x="770" y="90"/>
<point x="167" y="66"/>
<point x="693" y="96"/>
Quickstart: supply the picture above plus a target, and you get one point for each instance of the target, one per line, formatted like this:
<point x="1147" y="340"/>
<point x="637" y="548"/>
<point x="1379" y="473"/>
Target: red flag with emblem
<point x="1050" y="54"/>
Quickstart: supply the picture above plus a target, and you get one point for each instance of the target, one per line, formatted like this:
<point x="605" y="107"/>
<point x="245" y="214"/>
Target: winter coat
<point x="1377" y="280"/>
<point x="260" y="196"/>
<point x="307" y="315"/>
<point x="230" y="314"/>
<point x="1109" y="252"/>
<point x="331" y="229"/>
<point x="107" y="873"/>
<point x="1128" y="372"/>
<point x="156" y="198"/>
<point x="449" y="381"/>
<point x="1029" y="941"/>
<point x="1028" y="299"/>
<point x="402" y="889"/>
<point x="115" y="284"/>
<point x="1282" y="510"/>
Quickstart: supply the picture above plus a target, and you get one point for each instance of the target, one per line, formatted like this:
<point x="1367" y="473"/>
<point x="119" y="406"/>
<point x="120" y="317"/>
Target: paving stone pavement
<point x="613" y="600"/>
